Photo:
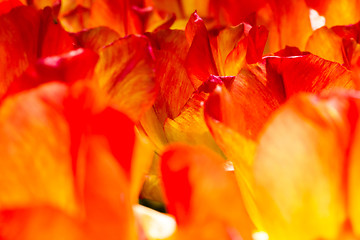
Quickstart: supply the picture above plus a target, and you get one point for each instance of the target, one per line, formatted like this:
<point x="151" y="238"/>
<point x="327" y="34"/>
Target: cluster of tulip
<point x="179" y="119"/>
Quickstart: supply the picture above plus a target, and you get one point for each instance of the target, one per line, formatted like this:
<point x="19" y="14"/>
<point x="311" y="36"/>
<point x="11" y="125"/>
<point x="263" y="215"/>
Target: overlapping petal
<point x="125" y="71"/>
<point x="194" y="182"/>
<point x="26" y="35"/>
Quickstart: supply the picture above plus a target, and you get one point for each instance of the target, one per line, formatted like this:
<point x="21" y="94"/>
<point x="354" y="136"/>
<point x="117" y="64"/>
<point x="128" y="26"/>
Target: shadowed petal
<point x="27" y="35"/>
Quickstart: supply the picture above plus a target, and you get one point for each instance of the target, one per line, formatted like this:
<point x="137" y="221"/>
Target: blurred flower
<point x="305" y="168"/>
<point x="202" y="196"/>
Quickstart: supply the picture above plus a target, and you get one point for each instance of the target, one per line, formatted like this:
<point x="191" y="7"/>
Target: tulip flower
<point x="195" y="57"/>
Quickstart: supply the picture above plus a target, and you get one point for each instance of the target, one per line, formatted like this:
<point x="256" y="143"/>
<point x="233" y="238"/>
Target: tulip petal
<point x="299" y="167"/>
<point x="257" y="40"/>
<point x="106" y="195"/>
<point x="35" y="166"/>
<point x="175" y="88"/>
<point x="29" y="223"/>
<point x="194" y="182"/>
<point x="190" y="127"/>
<point x="96" y="38"/>
<point x="7" y="5"/>
<point x="234" y="106"/>
<point x="200" y="63"/>
<point x="230" y="49"/>
<point x="308" y="73"/>
<point x="26" y="35"/>
<point x="326" y="44"/>
<point x="115" y="14"/>
<point x="337" y="12"/>
<point x="288" y="23"/>
<point x="80" y="15"/>
<point x="125" y="71"/>
<point x="68" y="68"/>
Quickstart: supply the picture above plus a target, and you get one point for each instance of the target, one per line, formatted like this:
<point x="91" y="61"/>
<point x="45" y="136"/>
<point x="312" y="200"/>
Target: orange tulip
<point x="75" y="158"/>
<point x="188" y="59"/>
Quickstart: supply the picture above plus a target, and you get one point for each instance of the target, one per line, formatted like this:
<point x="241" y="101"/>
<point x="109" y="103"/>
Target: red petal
<point x="201" y="194"/>
<point x="199" y="62"/>
<point x="25" y="36"/>
<point x="170" y="49"/>
<point x="7" y="5"/>
<point x="256" y="44"/>
<point x="308" y="73"/>
<point x="69" y="68"/>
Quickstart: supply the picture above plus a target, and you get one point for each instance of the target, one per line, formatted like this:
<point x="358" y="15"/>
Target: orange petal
<point x="70" y="176"/>
<point x="191" y="178"/>
<point x="115" y="14"/>
<point x="229" y="49"/>
<point x="125" y="71"/>
<point x="96" y="38"/>
<point x="40" y="4"/>
<point x="34" y="164"/>
<point x="300" y="164"/>
<point x="74" y="18"/>
<point x="327" y="44"/>
<point x="337" y="12"/>
<point x="118" y="15"/>
<point x="190" y="127"/>
<point x="288" y="23"/>
<point x="352" y="172"/>
<point x="106" y="193"/>
<point x="29" y="223"/>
